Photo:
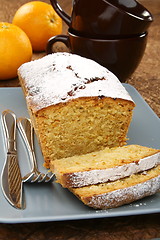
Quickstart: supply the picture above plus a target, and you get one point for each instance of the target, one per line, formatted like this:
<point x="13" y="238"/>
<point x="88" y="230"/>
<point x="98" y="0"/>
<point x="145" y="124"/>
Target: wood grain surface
<point x="146" y="79"/>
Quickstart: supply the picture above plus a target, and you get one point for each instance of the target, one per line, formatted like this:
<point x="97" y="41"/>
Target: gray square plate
<point x="50" y="202"/>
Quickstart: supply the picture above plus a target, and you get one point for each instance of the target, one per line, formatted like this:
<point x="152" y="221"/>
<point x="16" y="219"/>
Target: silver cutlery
<point x="11" y="179"/>
<point x="27" y="132"/>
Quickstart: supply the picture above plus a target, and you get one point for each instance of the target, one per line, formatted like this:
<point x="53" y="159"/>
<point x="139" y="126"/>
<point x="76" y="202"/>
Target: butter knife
<point x="11" y="179"/>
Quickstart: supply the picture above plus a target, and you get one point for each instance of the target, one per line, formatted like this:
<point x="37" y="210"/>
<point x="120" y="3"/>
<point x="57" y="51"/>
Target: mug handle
<point x="66" y="18"/>
<point x="59" y="38"/>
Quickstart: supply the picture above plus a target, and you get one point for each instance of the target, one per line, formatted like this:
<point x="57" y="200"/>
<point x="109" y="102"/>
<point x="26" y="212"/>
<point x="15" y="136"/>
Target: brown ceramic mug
<point x="103" y="18"/>
<point x="120" y="56"/>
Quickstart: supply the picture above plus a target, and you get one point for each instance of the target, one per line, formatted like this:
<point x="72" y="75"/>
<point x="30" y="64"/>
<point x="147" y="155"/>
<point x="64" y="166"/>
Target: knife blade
<point x="11" y="179"/>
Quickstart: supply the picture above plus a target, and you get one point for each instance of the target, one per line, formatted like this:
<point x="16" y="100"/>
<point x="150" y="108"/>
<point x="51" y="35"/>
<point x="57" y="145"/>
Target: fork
<point x="27" y="132"/>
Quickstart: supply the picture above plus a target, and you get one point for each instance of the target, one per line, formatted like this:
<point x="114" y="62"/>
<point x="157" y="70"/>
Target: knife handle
<point x="9" y="125"/>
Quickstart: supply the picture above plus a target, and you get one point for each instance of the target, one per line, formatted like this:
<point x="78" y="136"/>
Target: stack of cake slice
<point x="111" y="177"/>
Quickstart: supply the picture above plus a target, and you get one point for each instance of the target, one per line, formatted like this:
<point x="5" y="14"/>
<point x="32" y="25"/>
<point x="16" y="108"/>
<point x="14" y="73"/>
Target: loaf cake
<point x="120" y="192"/>
<point x="106" y="165"/>
<point x="76" y="105"/>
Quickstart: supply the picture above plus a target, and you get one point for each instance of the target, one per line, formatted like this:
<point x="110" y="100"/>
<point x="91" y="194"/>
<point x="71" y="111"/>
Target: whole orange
<point x="15" y="49"/>
<point x="39" y="21"/>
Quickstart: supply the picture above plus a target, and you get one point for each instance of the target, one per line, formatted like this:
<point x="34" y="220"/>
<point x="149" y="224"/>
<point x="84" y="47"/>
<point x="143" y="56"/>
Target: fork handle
<point x="26" y="129"/>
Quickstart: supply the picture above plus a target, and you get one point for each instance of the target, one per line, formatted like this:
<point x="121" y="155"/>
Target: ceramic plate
<point x="50" y="202"/>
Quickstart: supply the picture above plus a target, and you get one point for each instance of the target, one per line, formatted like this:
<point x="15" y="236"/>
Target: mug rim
<point x="131" y="37"/>
<point x="148" y="19"/>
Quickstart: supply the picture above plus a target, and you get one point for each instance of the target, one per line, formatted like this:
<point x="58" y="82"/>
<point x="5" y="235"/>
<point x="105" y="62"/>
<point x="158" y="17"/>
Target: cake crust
<point x="60" y="77"/>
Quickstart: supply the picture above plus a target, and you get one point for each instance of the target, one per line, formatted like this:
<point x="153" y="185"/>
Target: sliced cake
<point x="76" y="105"/>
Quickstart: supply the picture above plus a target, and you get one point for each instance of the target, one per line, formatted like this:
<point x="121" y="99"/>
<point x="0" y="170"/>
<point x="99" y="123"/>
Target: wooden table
<point x="146" y="80"/>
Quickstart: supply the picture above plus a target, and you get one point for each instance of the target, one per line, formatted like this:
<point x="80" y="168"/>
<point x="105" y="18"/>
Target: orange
<point x="15" y="49"/>
<point x="39" y="21"/>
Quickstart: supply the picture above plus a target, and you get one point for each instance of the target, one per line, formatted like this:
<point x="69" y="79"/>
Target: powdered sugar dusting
<point x="125" y="195"/>
<point x="60" y="77"/>
<point x="80" y="179"/>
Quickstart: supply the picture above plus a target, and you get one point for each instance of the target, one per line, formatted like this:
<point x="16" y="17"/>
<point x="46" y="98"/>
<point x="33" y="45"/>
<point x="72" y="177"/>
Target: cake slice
<point x="76" y="105"/>
<point x="104" y="166"/>
<point x="120" y="192"/>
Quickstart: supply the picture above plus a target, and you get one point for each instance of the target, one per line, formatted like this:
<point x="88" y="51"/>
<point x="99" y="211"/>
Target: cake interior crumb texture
<point x="81" y="126"/>
<point x="76" y="105"/>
